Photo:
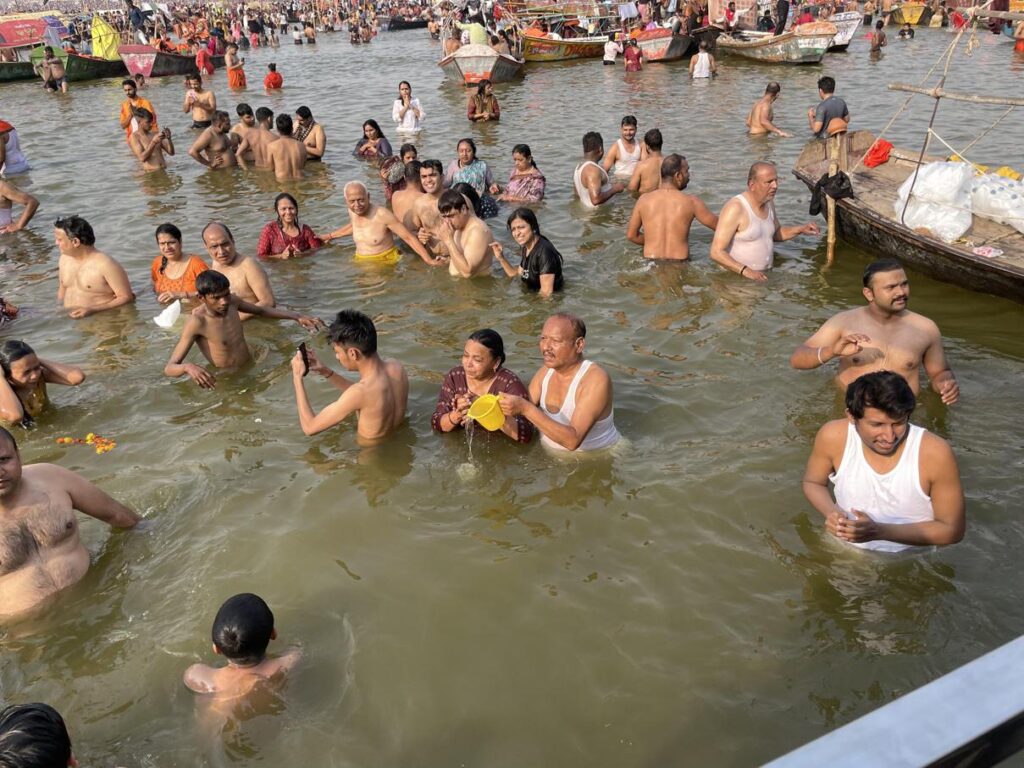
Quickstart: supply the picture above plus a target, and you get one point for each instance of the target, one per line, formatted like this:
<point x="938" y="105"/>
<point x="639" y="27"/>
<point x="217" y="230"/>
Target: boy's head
<point x="242" y="629"/>
<point x="214" y="291"/>
<point x="34" y="735"/>
<point x="354" y="337"/>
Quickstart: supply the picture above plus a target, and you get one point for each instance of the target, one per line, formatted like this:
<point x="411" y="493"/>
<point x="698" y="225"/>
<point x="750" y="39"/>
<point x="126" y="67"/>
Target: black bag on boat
<point x="837" y="187"/>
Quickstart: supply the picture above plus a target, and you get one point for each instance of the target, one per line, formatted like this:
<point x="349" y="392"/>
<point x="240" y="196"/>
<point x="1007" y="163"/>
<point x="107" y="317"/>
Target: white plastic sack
<point x="941" y="202"/>
<point x="999" y="199"/>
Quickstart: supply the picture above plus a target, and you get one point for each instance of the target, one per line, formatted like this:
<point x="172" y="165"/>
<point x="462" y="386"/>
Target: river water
<point x="677" y="603"/>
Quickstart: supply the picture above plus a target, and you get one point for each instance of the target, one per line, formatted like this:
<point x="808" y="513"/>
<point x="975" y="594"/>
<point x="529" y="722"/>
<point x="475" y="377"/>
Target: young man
<point x="759" y="120"/>
<point x="466" y="237"/>
<point x="202" y="104"/>
<point x="235" y="66"/>
<point x="591" y="180"/>
<point x="878" y="40"/>
<point x="246" y="123"/>
<point x="216" y="328"/>
<point x="647" y="174"/>
<point x="831" y="115"/>
<point x="626" y="152"/>
<point x="380" y="395"/>
<point x="133" y="101"/>
<point x="242" y="630"/>
<point x="51" y="69"/>
<point x="89" y="280"/>
<point x="287" y="155"/>
<point x="896" y="485"/>
<point x="213" y="147"/>
<point x="23" y="383"/>
<point x="311" y="134"/>
<point x="424" y="218"/>
<point x="255" y="145"/>
<point x="402" y="201"/>
<point x="149" y="144"/>
<point x="248" y="279"/>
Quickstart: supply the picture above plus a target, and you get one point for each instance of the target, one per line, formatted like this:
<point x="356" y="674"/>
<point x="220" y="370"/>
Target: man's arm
<point x="610" y="157"/>
<point x="822" y="462"/>
<point x="311" y="422"/>
<point x="594" y="394"/>
<point x="144" y="151"/>
<point x="259" y="283"/>
<point x="703" y="214"/>
<point x="468" y="257"/>
<point x="788" y="233"/>
<point x="126" y="113"/>
<point x="87" y="498"/>
<point x="828" y="342"/>
<point x="728" y="225"/>
<point x="168" y="144"/>
<point x="276" y="313"/>
<point x="634" y="180"/>
<point x="398" y="228"/>
<point x="243" y="147"/>
<point x="199" y="146"/>
<point x="175" y="363"/>
<point x="634" y="231"/>
<point x="117" y="281"/>
<point x="591" y="179"/>
<point x="938" y="370"/>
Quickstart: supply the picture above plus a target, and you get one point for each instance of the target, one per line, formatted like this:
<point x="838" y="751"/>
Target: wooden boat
<point x="552" y="49"/>
<point x="664" y="45"/>
<point x="868" y="220"/>
<point x="398" y="23"/>
<point x="147" y="61"/>
<point x="79" y="67"/>
<point x="472" y="63"/>
<point x="908" y="13"/>
<point x="803" y="44"/>
<point x="847" y="24"/>
<point x="11" y="71"/>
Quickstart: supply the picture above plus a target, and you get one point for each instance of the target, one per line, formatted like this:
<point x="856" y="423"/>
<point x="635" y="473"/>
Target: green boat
<point x="79" y="67"/>
<point x="10" y="71"/>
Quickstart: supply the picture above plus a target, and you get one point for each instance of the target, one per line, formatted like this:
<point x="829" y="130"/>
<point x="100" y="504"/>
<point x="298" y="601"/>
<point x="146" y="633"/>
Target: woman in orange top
<point x="174" y="275"/>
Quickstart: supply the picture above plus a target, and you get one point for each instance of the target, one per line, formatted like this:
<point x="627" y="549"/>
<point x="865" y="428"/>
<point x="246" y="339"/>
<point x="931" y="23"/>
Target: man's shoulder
<point x="832" y="434"/>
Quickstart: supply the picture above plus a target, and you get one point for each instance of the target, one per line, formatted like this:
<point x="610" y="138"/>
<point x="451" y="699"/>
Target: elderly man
<point x="748" y="229"/>
<point x="89" y="280"/>
<point x="761" y="115"/>
<point x="884" y="335"/>
<point x="40" y="550"/>
<point x="896" y="485"/>
<point x="570" y="398"/>
<point x="248" y="280"/>
<point x="373" y="228"/>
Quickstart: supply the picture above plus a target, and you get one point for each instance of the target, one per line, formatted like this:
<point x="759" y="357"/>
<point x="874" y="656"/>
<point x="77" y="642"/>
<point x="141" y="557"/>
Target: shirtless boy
<point x="661" y="219"/>
<point x="89" y="280"/>
<point x="216" y="328"/>
<point x="242" y="630"/>
<point x="883" y="336"/>
<point x="25" y="376"/>
<point x="287" y="155"/>
<point x="246" y="124"/>
<point x="40" y="549"/>
<point x="373" y="228"/>
<point x="248" y="279"/>
<point x="148" y="143"/>
<point x="202" y="104"/>
<point x="647" y="174"/>
<point x="213" y="147"/>
<point x="759" y="121"/>
<point x="424" y="219"/>
<point x="403" y="200"/>
<point x="257" y="140"/>
<point x="466" y="237"/>
<point x="379" y="397"/>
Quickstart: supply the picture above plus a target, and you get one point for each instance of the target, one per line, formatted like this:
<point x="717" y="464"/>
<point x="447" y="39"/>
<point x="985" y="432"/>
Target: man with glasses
<point x="90" y="281"/>
<point x="132" y="101"/>
<point x="466" y="237"/>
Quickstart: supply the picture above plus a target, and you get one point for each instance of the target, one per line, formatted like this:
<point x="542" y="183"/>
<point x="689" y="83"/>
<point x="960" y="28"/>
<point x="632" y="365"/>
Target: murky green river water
<point x="675" y="604"/>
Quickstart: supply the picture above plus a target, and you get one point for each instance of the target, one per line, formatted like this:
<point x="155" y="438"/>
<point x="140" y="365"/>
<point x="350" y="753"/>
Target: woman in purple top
<point x="526" y="183"/>
<point x="482" y="373"/>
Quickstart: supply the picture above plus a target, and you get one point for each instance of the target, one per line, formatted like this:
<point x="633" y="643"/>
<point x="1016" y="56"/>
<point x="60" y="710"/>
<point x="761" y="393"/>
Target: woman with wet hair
<point x="173" y="273"/>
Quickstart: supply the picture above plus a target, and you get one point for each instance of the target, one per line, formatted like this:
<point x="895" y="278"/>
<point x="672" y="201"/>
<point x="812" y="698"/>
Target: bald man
<point x="248" y="280"/>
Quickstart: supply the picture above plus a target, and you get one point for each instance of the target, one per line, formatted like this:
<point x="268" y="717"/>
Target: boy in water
<point x="242" y="630"/>
<point x="215" y="326"/>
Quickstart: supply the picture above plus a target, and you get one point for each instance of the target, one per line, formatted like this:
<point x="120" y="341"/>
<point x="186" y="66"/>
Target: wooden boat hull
<point x="145" y="60"/>
<point x="12" y="71"/>
<point x="662" y="45"/>
<point x="546" y="49"/>
<point x="397" y="24"/>
<point x="472" y="63"/>
<point x="908" y="13"/>
<point x="797" y="46"/>
<point x="80" y="68"/>
<point x="867" y="220"/>
<point x="847" y="25"/>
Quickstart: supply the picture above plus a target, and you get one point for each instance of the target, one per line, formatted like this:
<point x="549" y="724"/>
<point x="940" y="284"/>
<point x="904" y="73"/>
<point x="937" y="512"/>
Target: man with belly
<point x="661" y="219"/>
<point x="248" y="280"/>
<point x="41" y="552"/>
<point x="213" y="147"/>
<point x="89" y="280"/>
<point x="373" y="228"/>
<point x="883" y="336"/>
<point x="570" y="398"/>
<point x="424" y="216"/>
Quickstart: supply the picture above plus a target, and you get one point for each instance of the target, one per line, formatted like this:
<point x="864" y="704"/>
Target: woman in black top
<point x="540" y="268"/>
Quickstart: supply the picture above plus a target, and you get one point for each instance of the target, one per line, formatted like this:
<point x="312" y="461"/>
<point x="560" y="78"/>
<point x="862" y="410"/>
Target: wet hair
<point x="887" y="391"/>
<point x="752" y="173"/>
<point x="76" y="228"/>
<point x="412" y="171"/>
<point x="524" y="150"/>
<point x="671" y="165"/>
<point x="482" y="86"/>
<point x="373" y="124"/>
<point x="194" y="75"/>
<point x="244" y="109"/>
<point x="653" y="139"/>
<point x="272" y="66"/>
<point x="579" y="328"/>
<point x="351" y="328"/>
<point x="408" y="148"/>
<point x="264" y="113"/>
<point x="773" y="87"/>
<point x="472" y="145"/>
<point x="629" y="120"/>
<point x="881" y="265"/>
<point x="434" y="164"/>
<point x="233" y="45"/>
<point x="129" y="81"/>
<point x="166" y="229"/>
<point x="243" y="625"/>
<point x="304" y="113"/>
<point x="405" y="82"/>
<point x="452" y="200"/>
<point x="492" y="340"/>
<point x="142" y="113"/>
<point x="878" y="25"/>
<point x="470" y="194"/>
<point x="11" y="351"/>
<point x="592" y="142"/>
<point x="14" y="445"/>
<point x="495" y="39"/>
<point x="827" y="84"/>
<point x="293" y="201"/>
<point x="211" y="281"/>
<point x="33" y="735"/>
<point x="284" y="124"/>
<point x="526" y="215"/>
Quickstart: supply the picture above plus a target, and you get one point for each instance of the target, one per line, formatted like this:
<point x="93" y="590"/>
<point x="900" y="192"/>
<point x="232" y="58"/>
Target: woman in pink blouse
<point x="286" y="238"/>
<point x="526" y="183"/>
<point x="482" y="372"/>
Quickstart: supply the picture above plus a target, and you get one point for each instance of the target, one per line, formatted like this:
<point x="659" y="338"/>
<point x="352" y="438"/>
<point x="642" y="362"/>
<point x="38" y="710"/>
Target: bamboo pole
<point x="940" y="93"/>
<point x="1008" y="15"/>
<point x="833" y="167"/>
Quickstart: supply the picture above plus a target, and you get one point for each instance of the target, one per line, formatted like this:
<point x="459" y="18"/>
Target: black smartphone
<point x="305" y="358"/>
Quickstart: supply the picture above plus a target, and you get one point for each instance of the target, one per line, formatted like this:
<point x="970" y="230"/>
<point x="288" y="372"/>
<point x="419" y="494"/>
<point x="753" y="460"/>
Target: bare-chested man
<point x="51" y="69"/>
<point x="647" y="174"/>
<point x="149" y="144"/>
<point x="373" y="228"/>
<point x="403" y="200"/>
<point x="661" y="219"/>
<point x="883" y="336"/>
<point x="310" y="133"/>
<point x="245" y="125"/>
<point x="202" y="104"/>
<point x="287" y="155"/>
<point x="380" y="396"/>
<point x="256" y="143"/>
<point x="248" y="280"/>
<point x="759" y="121"/>
<point x="89" y="280"/>
<point x="466" y="237"/>
<point x="40" y="549"/>
<point x="24" y="378"/>
<point x="213" y="147"/>
<point x="424" y="219"/>
<point x="216" y="328"/>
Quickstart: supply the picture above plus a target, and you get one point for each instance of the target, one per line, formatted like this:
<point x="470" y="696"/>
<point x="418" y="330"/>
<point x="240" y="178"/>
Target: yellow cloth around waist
<point x="390" y="256"/>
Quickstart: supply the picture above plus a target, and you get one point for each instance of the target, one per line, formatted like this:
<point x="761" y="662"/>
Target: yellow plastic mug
<point x="486" y="412"/>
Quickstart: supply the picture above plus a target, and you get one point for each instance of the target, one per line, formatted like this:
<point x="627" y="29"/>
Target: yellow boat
<point x="551" y="49"/>
<point x="908" y="13"/>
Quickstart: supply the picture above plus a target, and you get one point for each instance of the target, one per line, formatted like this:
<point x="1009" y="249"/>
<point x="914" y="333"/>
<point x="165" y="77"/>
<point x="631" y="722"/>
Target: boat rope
<point x="989" y="129"/>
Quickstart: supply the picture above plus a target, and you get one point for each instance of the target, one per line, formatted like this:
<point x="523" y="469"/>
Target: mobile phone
<point x="305" y="358"/>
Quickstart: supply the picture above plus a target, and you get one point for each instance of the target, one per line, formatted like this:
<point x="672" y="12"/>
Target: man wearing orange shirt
<point x="132" y="102"/>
